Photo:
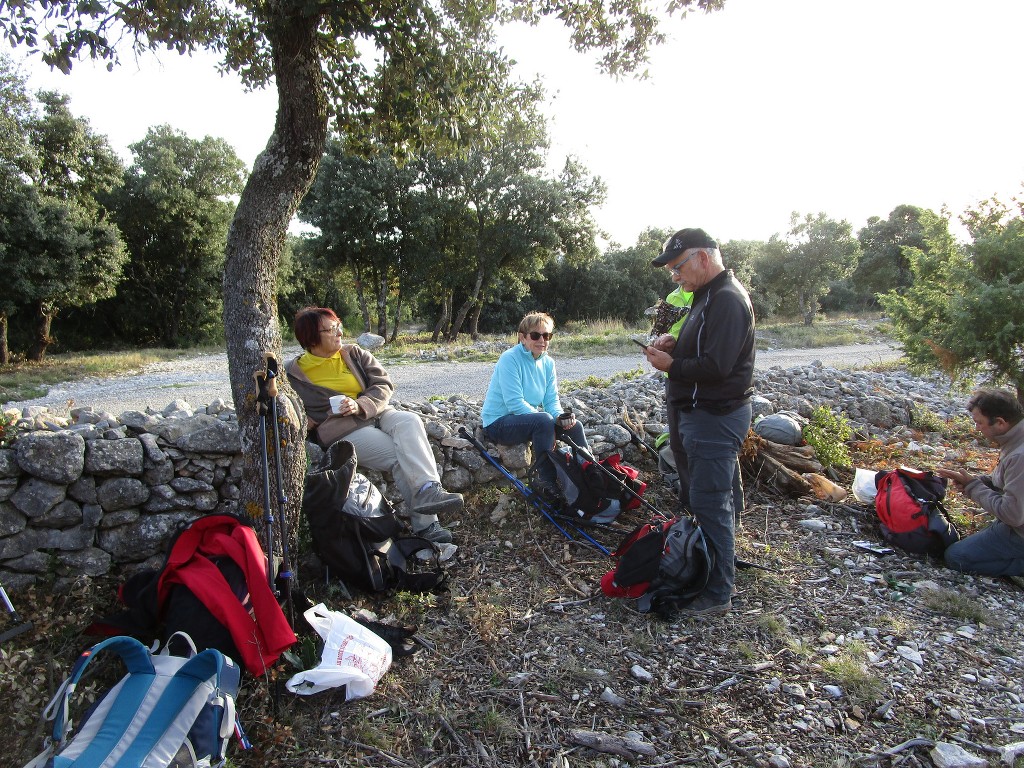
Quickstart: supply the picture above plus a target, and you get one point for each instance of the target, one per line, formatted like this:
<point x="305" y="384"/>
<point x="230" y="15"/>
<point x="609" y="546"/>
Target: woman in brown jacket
<point x="385" y="438"/>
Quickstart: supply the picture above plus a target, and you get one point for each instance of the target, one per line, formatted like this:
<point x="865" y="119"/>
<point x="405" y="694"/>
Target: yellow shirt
<point x="330" y="372"/>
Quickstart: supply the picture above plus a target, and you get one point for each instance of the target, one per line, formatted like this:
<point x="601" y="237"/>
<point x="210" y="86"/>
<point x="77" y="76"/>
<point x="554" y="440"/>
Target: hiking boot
<point x="434" y="499"/>
<point x="704" y="606"/>
<point x="435" y="533"/>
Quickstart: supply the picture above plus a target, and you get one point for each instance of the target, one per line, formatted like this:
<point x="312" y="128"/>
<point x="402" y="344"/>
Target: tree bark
<point x="382" y="305"/>
<point x="364" y="308"/>
<point x="41" y="338"/>
<point x="282" y="174"/>
<point x="442" y="321"/>
<point x="467" y="305"/>
<point x="474" y="323"/>
<point x="5" y="351"/>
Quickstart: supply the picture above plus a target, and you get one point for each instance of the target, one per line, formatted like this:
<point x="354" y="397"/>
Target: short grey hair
<point x="714" y="254"/>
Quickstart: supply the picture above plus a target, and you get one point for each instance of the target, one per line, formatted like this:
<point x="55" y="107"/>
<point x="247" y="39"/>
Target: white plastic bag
<point x="864" y="488"/>
<point x="353" y="656"/>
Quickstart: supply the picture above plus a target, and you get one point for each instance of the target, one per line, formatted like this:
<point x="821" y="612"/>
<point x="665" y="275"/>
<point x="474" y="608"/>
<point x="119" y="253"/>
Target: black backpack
<point x="665" y="564"/>
<point x="910" y="511"/>
<point x="596" y="494"/>
<point x="358" y="536"/>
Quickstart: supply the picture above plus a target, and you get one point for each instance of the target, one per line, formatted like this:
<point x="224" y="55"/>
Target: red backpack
<point x="909" y="506"/>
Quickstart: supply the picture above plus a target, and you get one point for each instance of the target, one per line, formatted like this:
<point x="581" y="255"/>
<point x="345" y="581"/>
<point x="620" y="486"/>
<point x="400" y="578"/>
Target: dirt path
<point x="202" y="379"/>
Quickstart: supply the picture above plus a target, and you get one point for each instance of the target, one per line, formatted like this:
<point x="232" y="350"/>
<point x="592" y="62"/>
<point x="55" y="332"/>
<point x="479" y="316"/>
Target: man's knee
<point x="960" y="557"/>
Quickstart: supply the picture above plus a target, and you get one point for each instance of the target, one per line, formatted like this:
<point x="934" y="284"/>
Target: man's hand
<point x="959" y="477"/>
<point x="665" y="342"/>
<point x="659" y="359"/>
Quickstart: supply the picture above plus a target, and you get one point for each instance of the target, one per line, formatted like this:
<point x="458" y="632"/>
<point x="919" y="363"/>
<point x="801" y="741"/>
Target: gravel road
<point x="202" y="379"/>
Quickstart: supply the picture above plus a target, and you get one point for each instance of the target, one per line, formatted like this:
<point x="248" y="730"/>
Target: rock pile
<point x="78" y="494"/>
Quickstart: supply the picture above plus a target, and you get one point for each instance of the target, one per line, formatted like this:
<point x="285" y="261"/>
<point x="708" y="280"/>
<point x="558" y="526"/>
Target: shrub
<point x="828" y="433"/>
<point x="7" y="429"/>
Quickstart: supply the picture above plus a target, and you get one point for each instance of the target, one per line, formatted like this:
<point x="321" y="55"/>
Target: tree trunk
<point x="808" y="307"/>
<point x="382" y="306"/>
<point x="280" y="178"/>
<point x="398" y="314"/>
<point x="442" y="321"/>
<point x="467" y="305"/>
<point x="474" y="323"/>
<point x="41" y="338"/>
<point x="364" y="308"/>
<point x="5" y="351"/>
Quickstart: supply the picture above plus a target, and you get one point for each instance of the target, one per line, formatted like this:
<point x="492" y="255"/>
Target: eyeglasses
<point x="675" y="270"/>
<point x="537" y="335"/>
<point x="333" y="328"/>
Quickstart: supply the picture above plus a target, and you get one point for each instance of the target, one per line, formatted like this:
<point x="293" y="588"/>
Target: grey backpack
<point x="784" y="428"/>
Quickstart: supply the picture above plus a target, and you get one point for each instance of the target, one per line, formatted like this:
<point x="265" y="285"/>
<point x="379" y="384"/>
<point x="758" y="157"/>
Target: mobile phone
<point x="639" y="343"/>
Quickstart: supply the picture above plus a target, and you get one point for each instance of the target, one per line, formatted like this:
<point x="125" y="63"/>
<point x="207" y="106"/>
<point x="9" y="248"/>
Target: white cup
<point x="336" y="402"/>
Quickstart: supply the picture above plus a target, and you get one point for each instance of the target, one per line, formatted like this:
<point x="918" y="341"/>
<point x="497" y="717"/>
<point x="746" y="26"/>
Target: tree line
<point x="132" y="255"/>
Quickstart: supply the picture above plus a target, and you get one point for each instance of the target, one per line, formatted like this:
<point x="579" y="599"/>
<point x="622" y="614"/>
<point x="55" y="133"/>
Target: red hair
<point x="307" y="325"/>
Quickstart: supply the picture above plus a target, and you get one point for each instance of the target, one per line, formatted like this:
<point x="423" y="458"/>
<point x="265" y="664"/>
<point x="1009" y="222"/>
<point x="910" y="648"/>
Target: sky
<point x="748" y="114"/>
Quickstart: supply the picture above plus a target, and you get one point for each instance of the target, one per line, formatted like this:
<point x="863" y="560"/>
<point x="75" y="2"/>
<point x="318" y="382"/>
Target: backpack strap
<point x="137" y="660"/>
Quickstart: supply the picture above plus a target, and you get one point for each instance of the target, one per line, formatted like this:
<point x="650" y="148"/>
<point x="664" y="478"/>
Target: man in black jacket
<point x="710" y="382"/>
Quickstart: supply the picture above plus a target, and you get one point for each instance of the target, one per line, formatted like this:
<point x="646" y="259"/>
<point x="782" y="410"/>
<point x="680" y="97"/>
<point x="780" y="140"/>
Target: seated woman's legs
<point x="401" y="447"/>
<point x="536" y="428"/>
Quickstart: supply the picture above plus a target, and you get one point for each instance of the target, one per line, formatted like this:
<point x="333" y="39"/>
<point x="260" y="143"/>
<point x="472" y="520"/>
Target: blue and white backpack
<point x="167" y="711"/>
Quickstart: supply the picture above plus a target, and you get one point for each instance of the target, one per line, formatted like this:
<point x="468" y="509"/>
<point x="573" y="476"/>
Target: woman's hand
<point x="346" y="406"/>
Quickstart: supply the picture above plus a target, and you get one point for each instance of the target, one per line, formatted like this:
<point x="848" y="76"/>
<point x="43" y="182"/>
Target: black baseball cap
<point x="683" y="240"/>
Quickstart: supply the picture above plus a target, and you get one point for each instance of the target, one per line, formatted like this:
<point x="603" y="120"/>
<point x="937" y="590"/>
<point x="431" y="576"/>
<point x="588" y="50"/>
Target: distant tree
<point x="883" y="266"/>
<point x="365" y="210"/>
<point x="742" y="257"/>
<point x="174" y="212"/>
<point x="964" y="309"/>
<point x="18" y="164"/>
<point x="799" y="268"/>
<point x="66" y="252"/>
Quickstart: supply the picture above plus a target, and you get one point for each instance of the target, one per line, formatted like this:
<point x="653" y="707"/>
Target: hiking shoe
<point x="704" y="606"/>
<point x="435" y="533"/>
<point x="434" y="500"/>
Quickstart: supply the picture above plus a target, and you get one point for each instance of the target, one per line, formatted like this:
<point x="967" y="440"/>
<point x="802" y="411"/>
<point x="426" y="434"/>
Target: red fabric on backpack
<point x="897" y="508"/>
<point x="629" y="501"/>
<point x="909" y="508"/>
<point x="260" y="637"/>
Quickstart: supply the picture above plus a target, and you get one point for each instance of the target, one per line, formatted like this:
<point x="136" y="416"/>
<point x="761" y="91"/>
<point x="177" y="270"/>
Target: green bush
<point x="828" y="433"/>
<point x="7" y="429"/>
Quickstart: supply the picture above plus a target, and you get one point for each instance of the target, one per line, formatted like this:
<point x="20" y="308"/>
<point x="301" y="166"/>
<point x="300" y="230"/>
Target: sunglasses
<point x="675" y="270"/>
<point x="537" y="335"/>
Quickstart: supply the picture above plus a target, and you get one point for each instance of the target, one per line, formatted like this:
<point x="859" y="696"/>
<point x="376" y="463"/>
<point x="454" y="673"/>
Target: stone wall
<point x="80" y="495"/>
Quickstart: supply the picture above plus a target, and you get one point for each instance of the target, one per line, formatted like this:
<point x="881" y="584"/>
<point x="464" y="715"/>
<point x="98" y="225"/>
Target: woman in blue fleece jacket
<point x="522" y="399"/>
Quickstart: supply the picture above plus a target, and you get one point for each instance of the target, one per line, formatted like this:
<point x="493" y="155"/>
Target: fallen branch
<point x="612" y="745"/>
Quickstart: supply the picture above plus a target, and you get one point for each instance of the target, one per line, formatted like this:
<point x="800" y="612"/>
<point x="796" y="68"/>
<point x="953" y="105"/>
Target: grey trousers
<point x="399" y="445"/>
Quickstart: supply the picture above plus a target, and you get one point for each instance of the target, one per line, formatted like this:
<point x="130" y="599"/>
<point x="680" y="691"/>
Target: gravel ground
<point x="202" y="379"/>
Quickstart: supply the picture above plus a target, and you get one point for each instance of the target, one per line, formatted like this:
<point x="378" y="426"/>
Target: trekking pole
<point x="19" y="625"/>
<point x="588" y="455"/>
<point x="264" y="383"/>
<point x="285" y="574"/>
<point x="529" y="494"/>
